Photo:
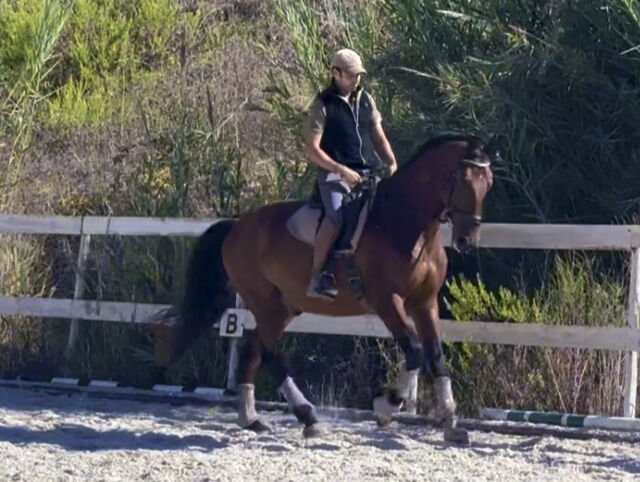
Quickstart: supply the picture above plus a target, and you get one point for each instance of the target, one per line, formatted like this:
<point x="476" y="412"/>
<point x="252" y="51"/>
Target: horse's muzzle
<point x="463" y="244"/>
<point x="466" y="229"/>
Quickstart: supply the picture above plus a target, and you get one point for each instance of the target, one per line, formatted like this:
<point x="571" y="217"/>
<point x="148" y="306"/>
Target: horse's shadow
<point x="628" y="464"/>
<point x="388" y="439"/>
<point x="383" y="439"/>
<point x="82" y="438"/>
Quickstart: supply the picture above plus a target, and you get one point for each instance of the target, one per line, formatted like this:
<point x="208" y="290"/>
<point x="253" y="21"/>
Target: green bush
<point x="530" y="378"/>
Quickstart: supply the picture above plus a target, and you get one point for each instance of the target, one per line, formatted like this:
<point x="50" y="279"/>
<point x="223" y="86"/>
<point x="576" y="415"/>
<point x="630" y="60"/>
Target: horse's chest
<point x="418" y="249"/>
<point x="426" y="265"/>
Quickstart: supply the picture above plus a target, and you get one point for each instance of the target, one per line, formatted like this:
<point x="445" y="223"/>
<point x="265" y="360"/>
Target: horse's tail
<point x="208" y="293"/>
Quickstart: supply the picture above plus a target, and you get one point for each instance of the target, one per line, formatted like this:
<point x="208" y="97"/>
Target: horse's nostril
<point x="463" y="244"/>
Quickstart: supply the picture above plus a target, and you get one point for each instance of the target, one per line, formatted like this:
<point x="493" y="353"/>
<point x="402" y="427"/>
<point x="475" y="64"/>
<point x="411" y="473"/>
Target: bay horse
<point x="401" y="260"/>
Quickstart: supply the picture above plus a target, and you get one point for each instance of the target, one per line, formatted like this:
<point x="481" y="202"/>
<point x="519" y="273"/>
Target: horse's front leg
<point x="430" y="331"/>
<point x="393" y="314"/>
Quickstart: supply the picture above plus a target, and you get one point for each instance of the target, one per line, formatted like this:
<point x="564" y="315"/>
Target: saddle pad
<point x="303" y="225"/>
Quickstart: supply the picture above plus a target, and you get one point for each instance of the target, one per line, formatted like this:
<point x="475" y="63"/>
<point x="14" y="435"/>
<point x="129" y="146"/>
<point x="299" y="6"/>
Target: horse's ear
<point x="492" y="147"/>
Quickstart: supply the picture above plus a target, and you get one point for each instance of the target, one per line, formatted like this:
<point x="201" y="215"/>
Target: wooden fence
<point x="518" y="236"/>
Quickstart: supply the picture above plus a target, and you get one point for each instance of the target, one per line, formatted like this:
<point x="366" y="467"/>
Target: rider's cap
<point x="348" y="61"/>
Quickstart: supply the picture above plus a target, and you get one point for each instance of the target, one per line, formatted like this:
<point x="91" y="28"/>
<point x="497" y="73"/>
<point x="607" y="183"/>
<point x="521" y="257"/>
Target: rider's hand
<point x="349" y="176"/>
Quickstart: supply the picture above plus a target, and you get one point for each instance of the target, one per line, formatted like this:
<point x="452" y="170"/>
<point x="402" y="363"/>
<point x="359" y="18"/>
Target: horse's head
<point x="464" y="194"/>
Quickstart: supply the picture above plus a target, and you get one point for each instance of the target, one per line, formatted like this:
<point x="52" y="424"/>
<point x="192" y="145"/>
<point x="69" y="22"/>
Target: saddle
<point x="303" y="224"/>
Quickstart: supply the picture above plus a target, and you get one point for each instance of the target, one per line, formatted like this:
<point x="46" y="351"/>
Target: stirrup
<point x="328" y="283"/>
<point x="323" y="286"/>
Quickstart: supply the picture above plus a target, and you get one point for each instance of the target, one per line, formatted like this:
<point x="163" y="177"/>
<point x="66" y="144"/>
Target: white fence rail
<point x="515" y="236"/>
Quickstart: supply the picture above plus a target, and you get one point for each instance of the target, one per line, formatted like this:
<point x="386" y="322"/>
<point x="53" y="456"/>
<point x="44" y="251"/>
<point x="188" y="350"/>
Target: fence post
<point x="232" y="369"/>
<point x="78" y="292"/>
<point x="631" y="357"/>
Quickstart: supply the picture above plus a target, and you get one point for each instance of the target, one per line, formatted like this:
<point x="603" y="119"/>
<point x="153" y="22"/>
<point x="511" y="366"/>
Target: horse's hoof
<point x="314" y="430"/>
<point x="258" y="427"/>
<point x="383" y="420"/>
<point x="456" y="435"/>
<point x="384" y="410"/>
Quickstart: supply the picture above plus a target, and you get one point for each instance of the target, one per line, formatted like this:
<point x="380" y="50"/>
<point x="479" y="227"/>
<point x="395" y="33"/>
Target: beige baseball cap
<point x="348" y="61"/>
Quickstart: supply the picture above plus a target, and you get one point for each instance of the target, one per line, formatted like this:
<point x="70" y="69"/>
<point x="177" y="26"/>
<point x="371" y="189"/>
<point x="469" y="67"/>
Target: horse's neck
<point x="402" y="218"/>
<point x="409" y="205"/>
<point x="417" y="191"/>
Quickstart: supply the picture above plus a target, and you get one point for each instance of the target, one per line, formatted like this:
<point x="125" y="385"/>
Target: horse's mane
<point x="443" y="138"/>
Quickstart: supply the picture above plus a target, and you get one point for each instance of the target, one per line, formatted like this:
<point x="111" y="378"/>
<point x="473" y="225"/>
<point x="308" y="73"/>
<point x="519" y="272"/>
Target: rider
<point x="344" y="137"/>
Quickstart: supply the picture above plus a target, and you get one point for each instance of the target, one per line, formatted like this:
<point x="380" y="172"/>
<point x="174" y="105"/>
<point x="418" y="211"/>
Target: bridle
<point x="449" y="209"/>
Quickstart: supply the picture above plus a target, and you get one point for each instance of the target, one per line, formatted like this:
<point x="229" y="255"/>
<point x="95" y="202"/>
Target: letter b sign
<point x="232" y="323"/>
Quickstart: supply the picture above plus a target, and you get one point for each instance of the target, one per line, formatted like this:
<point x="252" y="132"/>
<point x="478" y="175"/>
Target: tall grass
<point x="175" y="159"/>
<point x="29" y="32"/>
<point x="549" y="77"/>
<point x="305" y="28"/>
<point x="110" y="46"/>
<point x="22" y="264"/>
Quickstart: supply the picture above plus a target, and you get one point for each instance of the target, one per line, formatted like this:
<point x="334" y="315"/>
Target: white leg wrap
<point x="407" y="388"/>
<point x="246" y="404"/>
<point x="383" y="407"/>
<point x="292" y="393"/>
<point x="445" y="409"/>
<point x="407" y="382"/>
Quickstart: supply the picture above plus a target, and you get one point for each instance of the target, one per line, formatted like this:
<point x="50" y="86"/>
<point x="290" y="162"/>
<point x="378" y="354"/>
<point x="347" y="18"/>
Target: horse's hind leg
<point x="271" y="324"/>
<point x="248" y="366"/>
<point x="272" y="317"/>
<point x="263" y="300"/>
<point x="302" y="408"/>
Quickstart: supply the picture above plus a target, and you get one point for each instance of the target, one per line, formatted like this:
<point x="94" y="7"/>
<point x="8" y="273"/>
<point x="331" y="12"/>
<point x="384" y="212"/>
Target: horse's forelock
<point x="476" y="150"/>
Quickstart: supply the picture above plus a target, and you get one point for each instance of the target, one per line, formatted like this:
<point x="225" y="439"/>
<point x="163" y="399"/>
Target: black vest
<point x="346" y="137"/>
